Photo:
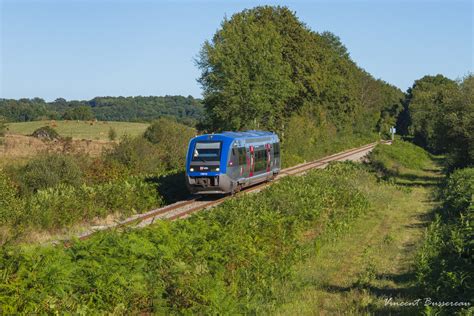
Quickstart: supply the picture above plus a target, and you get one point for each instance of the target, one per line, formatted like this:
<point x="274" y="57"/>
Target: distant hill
<point x="187" y="110"/>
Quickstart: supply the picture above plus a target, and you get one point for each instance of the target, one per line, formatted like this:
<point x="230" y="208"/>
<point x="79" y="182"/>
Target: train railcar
<point x="229" y="161"/>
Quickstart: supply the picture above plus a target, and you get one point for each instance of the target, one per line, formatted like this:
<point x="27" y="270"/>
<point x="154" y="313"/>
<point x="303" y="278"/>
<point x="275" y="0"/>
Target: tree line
<point x="187" y="110"/>
<point x="439" y="116"/>
<point x="264" y="66"/>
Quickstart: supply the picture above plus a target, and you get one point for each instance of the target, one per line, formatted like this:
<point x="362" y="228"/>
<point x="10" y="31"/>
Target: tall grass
<point x="445" y="260"/>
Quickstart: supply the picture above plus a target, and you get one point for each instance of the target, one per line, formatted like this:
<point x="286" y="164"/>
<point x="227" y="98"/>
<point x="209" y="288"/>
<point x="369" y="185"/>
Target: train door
<point x="269" y="156"/>
<point x="252" y="160"/>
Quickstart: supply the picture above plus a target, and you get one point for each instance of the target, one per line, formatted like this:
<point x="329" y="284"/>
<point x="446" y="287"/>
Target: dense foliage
<point x="439" y="115"/>
<point x="187" y="110"/>
<point x="173" y="138"/>
<point x="264" y="66"/>
<point x="3" y="126"/>
<point x="58" y="190"/>
<point x="445" y="261"/>
<point x="49" y="170"/>
<point x="46" y="133"/>
<point x="219" y="262"/>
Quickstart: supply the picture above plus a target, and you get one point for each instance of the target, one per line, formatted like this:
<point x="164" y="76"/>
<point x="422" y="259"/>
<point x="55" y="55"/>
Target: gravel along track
<point x="185" y="208"/>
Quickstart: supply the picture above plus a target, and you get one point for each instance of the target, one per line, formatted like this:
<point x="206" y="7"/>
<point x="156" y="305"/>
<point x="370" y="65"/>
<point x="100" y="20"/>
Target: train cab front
<point x="205" y="174"/>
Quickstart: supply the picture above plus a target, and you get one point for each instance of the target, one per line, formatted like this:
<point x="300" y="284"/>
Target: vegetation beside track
<point x="395" y="259"/>
<point x="222" y="261"/>
<point x="445" y="260"/>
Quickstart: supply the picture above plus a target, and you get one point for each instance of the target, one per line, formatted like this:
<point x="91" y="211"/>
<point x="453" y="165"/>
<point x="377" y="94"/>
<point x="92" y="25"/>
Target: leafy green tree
<point x="82" y="113"/>
<point x="264" y="65"/>
<point x="425" y="102"/>
<point x="245" y="79"/>
<point x="456" y="125"/>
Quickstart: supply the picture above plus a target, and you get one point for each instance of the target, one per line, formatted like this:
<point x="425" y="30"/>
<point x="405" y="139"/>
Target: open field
<point x="18" y="149"/>
<point x="80" y="129"/>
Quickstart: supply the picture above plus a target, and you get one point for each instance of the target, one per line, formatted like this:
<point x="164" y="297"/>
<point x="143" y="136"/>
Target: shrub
<point x="49" y="170"/>
<point x="137" y="154"/>
<point x="445" y="260"/>
<point x="172" y="139"/>
<point x="10" y="205"/>
<point x="3" y="127"/>
<point x="459" y="189"/>
<point x="64" y="205"/>
<point x="46" y="133"/>
<point x="112" y="134"/>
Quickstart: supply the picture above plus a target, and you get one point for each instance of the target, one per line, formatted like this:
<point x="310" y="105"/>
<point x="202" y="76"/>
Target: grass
<point x="374" y="261"/>
<point x="80" y="129"/>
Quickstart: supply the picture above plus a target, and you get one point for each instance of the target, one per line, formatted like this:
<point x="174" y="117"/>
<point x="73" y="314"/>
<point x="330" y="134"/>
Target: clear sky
<point x="84" y="48"/>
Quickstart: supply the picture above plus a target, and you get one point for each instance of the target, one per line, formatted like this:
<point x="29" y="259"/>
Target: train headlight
<point x="217" y="169"/>
<point x="191" y="169"/>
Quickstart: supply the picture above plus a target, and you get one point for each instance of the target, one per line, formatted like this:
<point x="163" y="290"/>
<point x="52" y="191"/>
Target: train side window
<point x="234" y="157"/>
<point x="276" y="150"/>
<point x="260" y="159"/>
<point x="242" y="156"/>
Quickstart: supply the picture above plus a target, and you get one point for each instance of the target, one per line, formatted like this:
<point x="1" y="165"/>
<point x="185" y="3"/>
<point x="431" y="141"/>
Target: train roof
<point x="239" y="135"/>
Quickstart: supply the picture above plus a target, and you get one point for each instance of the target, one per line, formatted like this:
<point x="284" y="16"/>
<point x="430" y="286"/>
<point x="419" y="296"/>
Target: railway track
<point x="185" y="208"/>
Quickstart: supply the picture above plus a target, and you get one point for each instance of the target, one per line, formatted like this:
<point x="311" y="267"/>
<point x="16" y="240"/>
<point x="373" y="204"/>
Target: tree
<point x="425" y="102"/>
<point x="245" y="79"/>
<point x="263" y="66"/>
<point x="82" y="113"/>
<point x="456" y="125"/>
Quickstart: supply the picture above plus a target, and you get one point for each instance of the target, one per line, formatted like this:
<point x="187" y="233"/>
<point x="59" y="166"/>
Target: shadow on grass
<point x="390" y="296"/>
<point x="413" y="180"/>
<point x="172" y="187"/>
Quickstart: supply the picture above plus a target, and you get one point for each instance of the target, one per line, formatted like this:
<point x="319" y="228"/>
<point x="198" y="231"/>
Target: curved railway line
<point x="186" y="207"/>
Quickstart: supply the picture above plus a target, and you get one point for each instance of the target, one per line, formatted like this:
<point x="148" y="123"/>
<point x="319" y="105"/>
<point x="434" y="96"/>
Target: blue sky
<point x="82" y="49"/>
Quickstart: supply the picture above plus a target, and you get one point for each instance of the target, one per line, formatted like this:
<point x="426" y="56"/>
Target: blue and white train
<point x="229" y="161"/>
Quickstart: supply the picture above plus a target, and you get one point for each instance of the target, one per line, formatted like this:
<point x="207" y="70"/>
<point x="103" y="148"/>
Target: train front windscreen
<point x="207" y="151"/>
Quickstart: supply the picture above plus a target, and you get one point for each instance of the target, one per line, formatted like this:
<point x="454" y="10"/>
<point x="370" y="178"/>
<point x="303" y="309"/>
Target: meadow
<point x="90" y="130"/>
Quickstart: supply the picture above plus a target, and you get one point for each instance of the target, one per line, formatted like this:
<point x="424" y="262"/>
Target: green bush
<point x="3" y="127"/>
<point x="445" y="260"/>
<point x="459" y="189"/>
<point x="172" y="139"/>
<point x="112" y="134"/>
<point x="64" y="205"/>
<point x="137" y="154"/>
<point x="219" y="262"/>
<point x="46" y="132"/>
<point x="389" y="158"/>
<point x="47" y="171"/>
<point x="10" y="205"/>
